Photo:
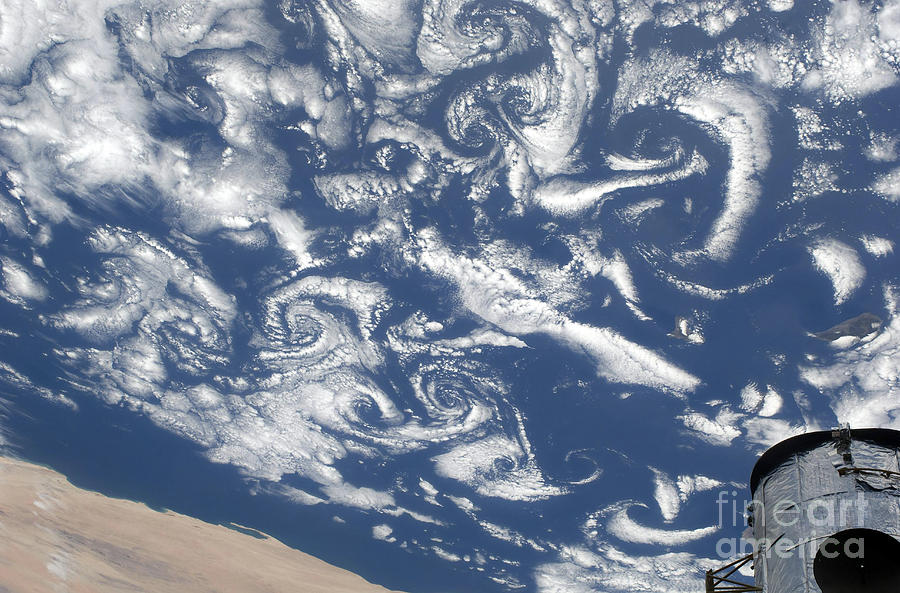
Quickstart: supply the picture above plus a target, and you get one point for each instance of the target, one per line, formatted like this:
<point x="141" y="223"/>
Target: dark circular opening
<point x="857" y="561"/>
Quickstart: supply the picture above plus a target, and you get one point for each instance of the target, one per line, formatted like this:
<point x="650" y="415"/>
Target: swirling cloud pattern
<point x="417" y="264"/>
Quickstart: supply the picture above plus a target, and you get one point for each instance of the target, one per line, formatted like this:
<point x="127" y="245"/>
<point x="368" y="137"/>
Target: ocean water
<point x="461" y="296"/>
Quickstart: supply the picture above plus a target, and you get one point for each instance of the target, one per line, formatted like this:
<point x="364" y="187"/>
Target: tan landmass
<point x="57" y="538"/>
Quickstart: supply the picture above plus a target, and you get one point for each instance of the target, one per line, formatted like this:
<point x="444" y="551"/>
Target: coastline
<point x="55" y="537"/>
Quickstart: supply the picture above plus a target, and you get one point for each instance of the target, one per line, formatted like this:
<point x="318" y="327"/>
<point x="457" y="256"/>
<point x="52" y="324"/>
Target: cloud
<point x="422" y="193"/>
<point x="850" y="63"/>
<point x="580" y="570"/>
<point x="666" y="495"/>
<point x="720" y="430"/>
<point x="731" y="113"/>
<point x="877" y="246"/>
<point x="840" y="263"/>
<point x="19" y="284"/>
<point x="862" y="382"/>
<point x="623" y="527"/>
<point x="888" y="185"/>
<point x="500" y="298"/>
<point x="498" y="467"/>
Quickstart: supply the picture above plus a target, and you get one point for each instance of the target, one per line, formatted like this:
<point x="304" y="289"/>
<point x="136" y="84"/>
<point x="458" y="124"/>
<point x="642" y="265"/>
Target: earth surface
<point x="461" y="296"/>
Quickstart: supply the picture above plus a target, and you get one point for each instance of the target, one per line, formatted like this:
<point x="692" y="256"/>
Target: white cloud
<point x="888" y="185"/>
<point x="500" y="298"/>
<point x="731" y="114"/>
<point x="623" y="527"/>
<point x="580" y="570"/>
<point x="688" y="485"/>
<point x="720" y="430"/>
<point x="849" y="62"/>
<point x="864" y="381"/>
<point x="382" y="532"/>
<point x="499" y="467"/>
<point x="19" y="284"/>
<point x="840" y="263"/>
<point x="666" y="495"/>
<point x="877" y="246"/>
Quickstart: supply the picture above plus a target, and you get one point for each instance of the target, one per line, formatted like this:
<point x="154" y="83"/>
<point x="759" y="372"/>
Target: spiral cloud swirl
<point x="415" y="265"/>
